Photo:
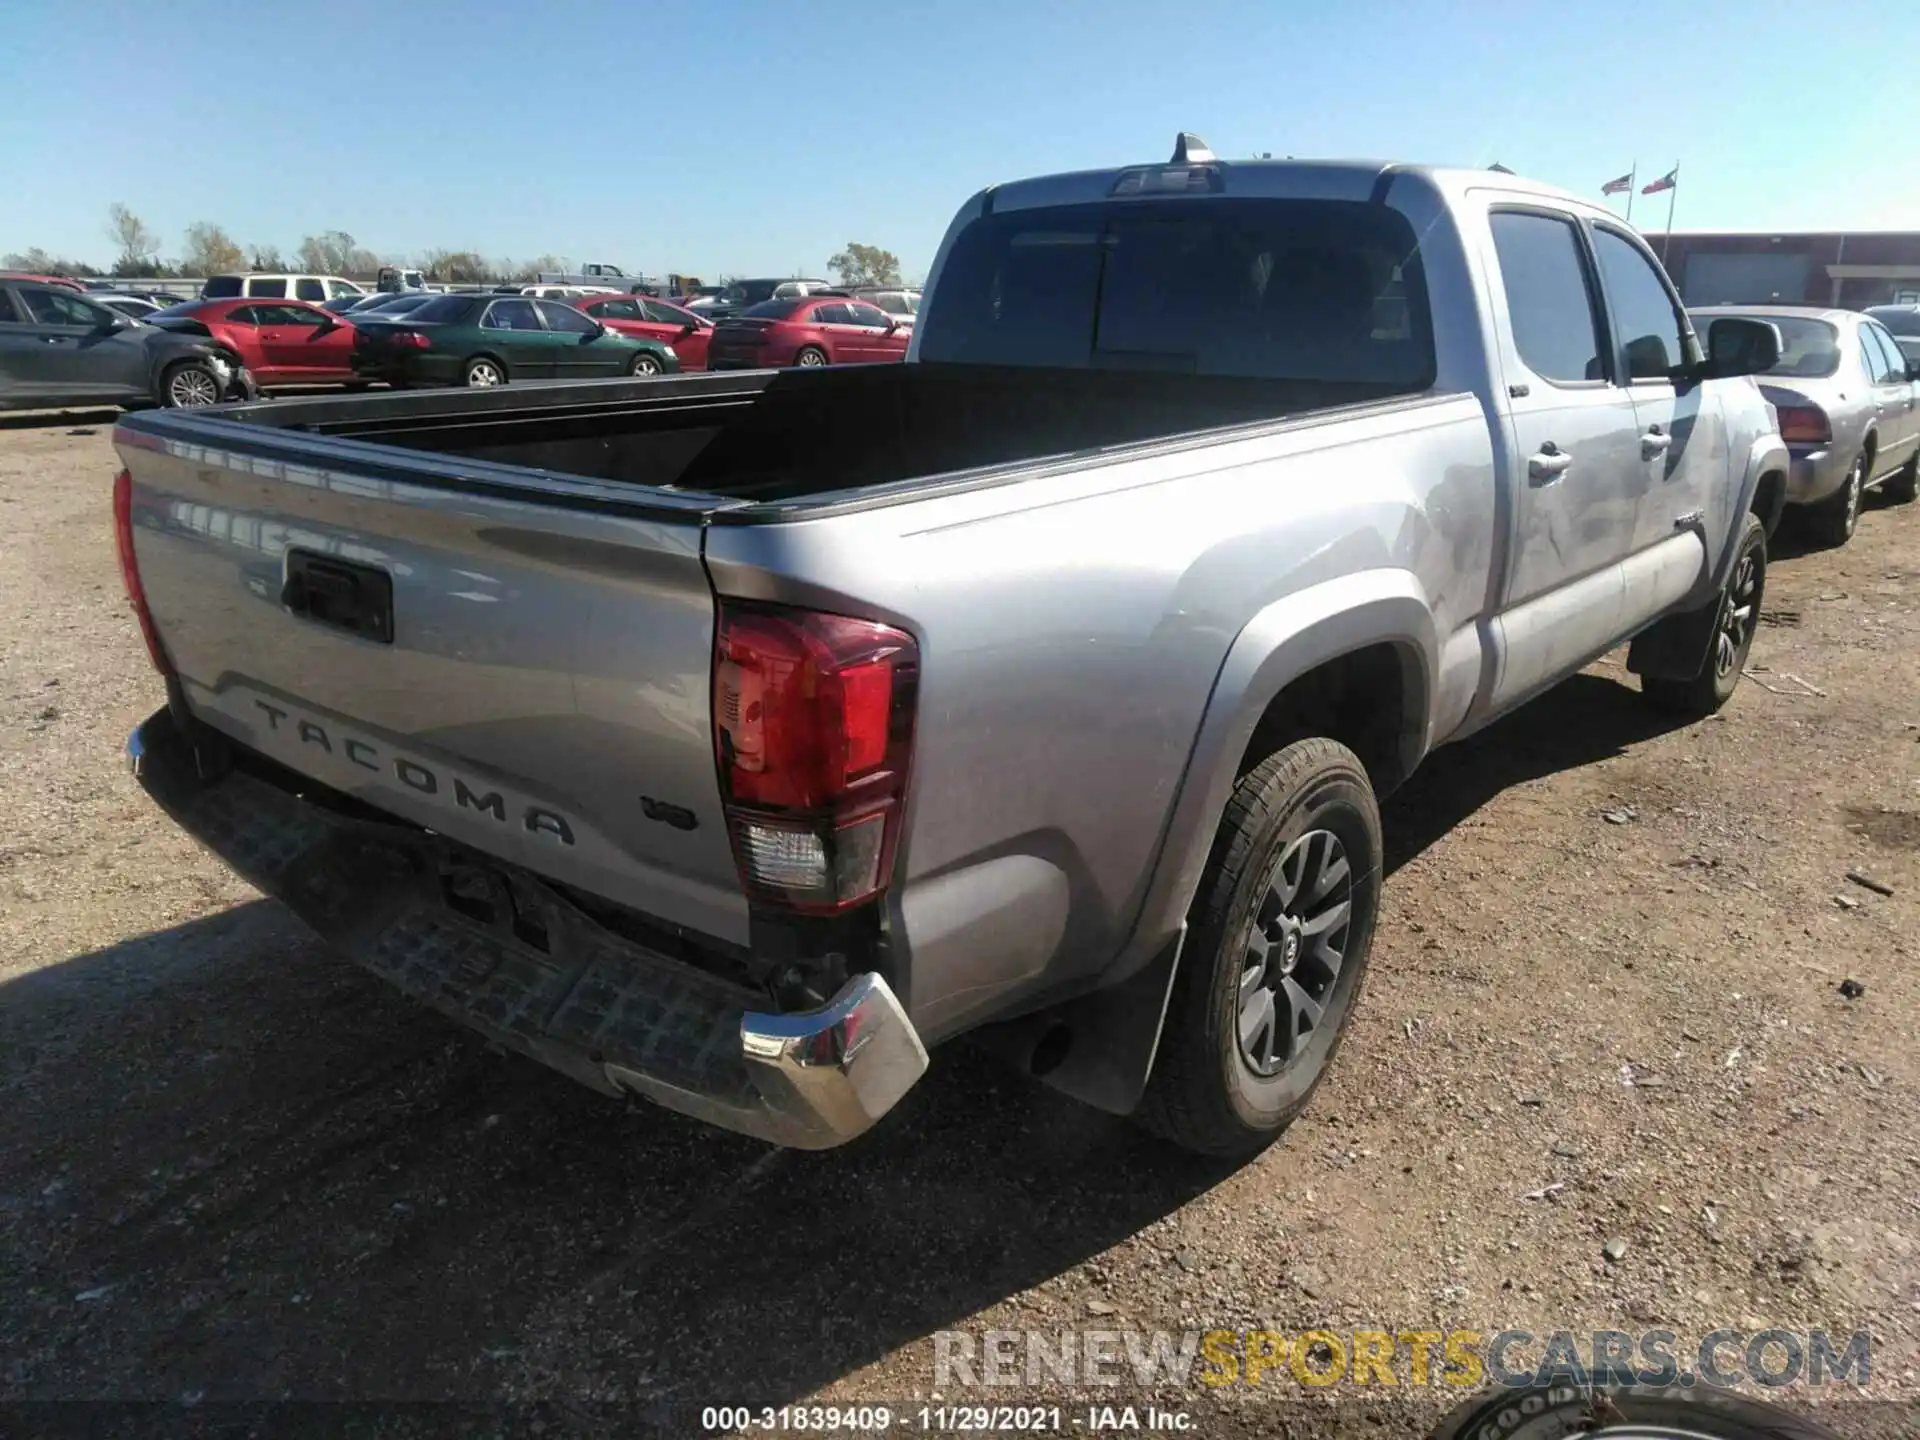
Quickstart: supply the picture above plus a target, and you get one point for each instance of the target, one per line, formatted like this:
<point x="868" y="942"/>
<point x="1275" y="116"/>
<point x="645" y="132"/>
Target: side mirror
<point x="688" y="328"/>
<point x="1741" y="347"/>
<point x="1913" y="369"/>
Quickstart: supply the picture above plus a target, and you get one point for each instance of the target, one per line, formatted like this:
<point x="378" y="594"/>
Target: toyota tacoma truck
<point x="731" y="740"/>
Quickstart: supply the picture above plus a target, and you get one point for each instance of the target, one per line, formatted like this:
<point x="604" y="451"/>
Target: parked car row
<point x="1848" y="400"/>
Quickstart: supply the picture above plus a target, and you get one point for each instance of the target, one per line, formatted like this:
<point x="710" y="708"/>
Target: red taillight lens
<point x="130" y="569"/>
<point x="813" y="729"/>
<point x="1804" y="425"/>
<point x="409" y="340"/>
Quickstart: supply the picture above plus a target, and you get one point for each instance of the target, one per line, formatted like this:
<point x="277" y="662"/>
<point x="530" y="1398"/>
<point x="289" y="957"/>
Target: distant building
<point x="1851" y="270"/>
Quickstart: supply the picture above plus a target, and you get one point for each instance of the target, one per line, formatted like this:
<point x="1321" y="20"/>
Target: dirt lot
<point x="234" y="1169"/>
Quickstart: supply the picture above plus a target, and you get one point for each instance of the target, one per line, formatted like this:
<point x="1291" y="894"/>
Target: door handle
<point x="1549" y="465"/>
<point x="1654" y="443"/>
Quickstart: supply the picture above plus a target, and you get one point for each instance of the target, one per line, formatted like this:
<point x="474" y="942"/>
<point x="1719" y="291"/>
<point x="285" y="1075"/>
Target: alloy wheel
<point x="1295" y="949"/>
<point x="1738" y="615"/>
<point x="483" y="375"/>
<point x="191" y="387"/>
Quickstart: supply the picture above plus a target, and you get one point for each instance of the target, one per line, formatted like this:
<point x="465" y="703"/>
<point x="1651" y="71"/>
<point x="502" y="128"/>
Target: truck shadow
<point x="234" y="1166"/>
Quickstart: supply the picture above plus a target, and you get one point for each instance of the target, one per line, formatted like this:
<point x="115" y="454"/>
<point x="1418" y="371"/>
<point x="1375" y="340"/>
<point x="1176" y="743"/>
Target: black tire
<point x="1700" y="1413"/>
<point x="646" y="363"/>
<point x="1736" y="616"/>
<point x="1208" y="1092"/>
<point x="810" y="356"/>
<point x="189" y="384"/>
<point x="1833" y="521"/>
<point x="482" y="372"/>
<point x="1904" y="487"/>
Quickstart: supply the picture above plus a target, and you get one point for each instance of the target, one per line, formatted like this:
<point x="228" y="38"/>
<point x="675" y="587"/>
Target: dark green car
<point x="491" y="339"/>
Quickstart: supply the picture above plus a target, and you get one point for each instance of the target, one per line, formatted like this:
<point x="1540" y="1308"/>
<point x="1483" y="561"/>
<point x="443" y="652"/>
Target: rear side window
<point x="1280" y="289"/>
<point x="511" y="315"/>
<point x="8" y="314"/>
<point x="221" y="287"/>
<point x="309" y="289"/>
<point x="441" y="310"/>
<point x="1549" y="300"/>
<point x="1648" y="323"/>
<point x="1809" y="349"/>
<point x="1884" y="361"/>
<point x="267" y="289"/>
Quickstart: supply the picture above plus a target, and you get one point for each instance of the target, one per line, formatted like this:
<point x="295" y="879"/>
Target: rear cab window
<point x="1551" y="304"/>
<point x="1278" y="289"/>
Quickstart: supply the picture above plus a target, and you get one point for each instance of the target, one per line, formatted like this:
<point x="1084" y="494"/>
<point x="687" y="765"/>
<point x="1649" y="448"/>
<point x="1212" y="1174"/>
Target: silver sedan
<point x="1849" y="406"/>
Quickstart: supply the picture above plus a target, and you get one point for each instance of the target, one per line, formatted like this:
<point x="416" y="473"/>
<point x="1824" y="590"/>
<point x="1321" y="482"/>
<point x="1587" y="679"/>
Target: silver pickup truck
<point x="729" y="740"/>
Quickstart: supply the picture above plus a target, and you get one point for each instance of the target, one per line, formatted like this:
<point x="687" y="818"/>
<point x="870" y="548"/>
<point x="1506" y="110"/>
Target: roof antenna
<point x="1190" y="149"/>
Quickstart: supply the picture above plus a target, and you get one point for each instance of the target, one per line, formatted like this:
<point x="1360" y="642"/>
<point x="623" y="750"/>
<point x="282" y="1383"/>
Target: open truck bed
<point x="785" y="436"/>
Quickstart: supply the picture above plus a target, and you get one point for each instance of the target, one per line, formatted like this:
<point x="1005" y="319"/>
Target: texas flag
<point x="1665" y="182"/>
<point x="1618" y="187"/>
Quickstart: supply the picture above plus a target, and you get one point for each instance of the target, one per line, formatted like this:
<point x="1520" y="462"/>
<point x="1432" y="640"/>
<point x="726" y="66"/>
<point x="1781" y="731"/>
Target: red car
<point x="43" y="279"/>
<point x="645" y="318"/>
<point x="814" y="330"/>
<point x="282" y="342"/>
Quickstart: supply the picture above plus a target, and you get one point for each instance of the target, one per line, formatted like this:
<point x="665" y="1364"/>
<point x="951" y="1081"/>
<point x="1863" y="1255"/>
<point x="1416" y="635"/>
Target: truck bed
<point x="789" y="435"/>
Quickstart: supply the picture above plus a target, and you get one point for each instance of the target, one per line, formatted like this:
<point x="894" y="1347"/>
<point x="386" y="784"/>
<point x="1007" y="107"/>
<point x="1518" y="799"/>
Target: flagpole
<point x="1673" y="194"/>
<point x="1633" y="179"/>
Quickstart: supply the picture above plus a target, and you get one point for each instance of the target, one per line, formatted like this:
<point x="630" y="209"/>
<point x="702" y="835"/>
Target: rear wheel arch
<point x="1770" y="499"/>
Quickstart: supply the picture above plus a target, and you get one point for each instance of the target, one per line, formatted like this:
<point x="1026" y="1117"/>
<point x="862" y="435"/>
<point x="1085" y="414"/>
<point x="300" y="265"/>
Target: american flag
<point x="1618" y="186"/>
<point x="1665" y="182"/>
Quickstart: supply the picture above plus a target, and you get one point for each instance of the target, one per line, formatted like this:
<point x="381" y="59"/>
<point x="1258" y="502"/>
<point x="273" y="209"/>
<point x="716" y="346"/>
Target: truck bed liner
<point x="774" y="436"/>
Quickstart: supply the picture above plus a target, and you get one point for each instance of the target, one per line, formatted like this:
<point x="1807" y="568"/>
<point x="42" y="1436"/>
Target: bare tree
<point x="266" y="257"/>
<point x="210" y="251"/>
<point x="866" y="265"/>
<point x="329" y="253"/>
<point x="138" y="246"/>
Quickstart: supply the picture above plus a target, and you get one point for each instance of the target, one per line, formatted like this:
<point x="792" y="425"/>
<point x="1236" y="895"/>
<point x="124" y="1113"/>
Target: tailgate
<point x="526" y="677"/>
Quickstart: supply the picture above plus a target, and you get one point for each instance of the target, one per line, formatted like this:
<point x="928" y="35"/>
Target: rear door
<point x="1578" y="473"/>
<point x="512" y="326"/>
<point x="845" y="343"/>
<point x="86" y="352"/>
<point x="1893" y="398"/>
<point x="1682" y="437"/>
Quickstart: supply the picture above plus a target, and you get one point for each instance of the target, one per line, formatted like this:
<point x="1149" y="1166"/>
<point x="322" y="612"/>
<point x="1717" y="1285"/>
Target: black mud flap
<point x="1675" y="648"/>
<point x="1098" y="1048"/>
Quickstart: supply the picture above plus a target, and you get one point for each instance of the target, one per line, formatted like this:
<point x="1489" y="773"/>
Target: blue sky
<point x="749" y="136"/>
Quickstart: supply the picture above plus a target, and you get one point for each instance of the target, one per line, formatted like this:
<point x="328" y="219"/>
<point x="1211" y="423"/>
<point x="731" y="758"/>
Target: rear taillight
<point x="1804" y="425"/>
<point x="813" y="731"/>
<point x="409" y="340"/>
<point x="130" y="569"/>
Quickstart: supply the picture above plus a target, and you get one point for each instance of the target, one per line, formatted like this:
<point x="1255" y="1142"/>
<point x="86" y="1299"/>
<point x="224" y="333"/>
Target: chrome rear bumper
<point x="503" y="953"/>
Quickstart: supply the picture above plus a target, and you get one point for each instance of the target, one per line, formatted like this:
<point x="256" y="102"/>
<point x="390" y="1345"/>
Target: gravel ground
<point x="1605" y="1005"/>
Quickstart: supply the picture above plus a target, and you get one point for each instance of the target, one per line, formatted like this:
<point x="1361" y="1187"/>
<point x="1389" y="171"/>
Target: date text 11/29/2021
<point x="944" y="1419"/>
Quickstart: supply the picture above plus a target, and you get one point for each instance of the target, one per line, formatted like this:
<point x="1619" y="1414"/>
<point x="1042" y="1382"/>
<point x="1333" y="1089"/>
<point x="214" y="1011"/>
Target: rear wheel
<point x="484" y="372"/>
<point x="1737" y="616"/>
<point x="189" y="384"/>
<point x="645" y="363"/>
<point x="811" y="356"/>
<point x="1275" y="955"/>
<point x="1834" y="519"/>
